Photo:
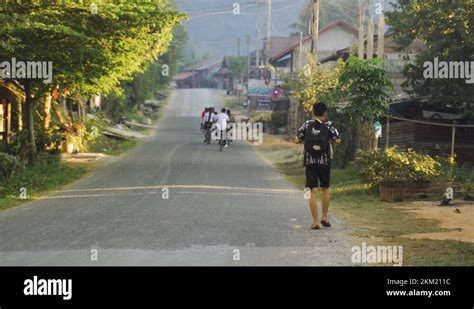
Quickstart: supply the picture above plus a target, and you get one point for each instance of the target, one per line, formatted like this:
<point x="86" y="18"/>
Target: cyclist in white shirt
<point x="221" y="120"/>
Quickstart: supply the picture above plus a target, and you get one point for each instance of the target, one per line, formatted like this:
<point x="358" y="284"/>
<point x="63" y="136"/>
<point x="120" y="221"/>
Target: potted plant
<point x="393" y="189"/>
<point x="393" y="171"/>
<point x="75" y="136"/>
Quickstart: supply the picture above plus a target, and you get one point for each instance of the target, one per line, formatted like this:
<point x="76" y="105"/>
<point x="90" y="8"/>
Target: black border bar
<point x="241" y="285"/>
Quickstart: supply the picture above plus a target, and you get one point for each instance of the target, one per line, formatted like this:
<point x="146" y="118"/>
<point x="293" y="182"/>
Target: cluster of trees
<point x="446" y="29"/>
<point x="157" y="75"/>
<point x="361" y="86"/>
<point x="95" y="48"/>
<point x="238" y="67"/>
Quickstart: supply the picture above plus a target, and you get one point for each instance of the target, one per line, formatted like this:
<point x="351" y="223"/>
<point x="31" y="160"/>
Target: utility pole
<point x="300" y="54"/>
<point x="361" y="28"/>
<point x="248" y="57"/>
<point x="257" y="50"/>
<point x="238" y="47"/>
<point x="381" y="31"/>
<point x="370" y="36"/>
<point x="194" y="62"/>
<point x="268" y="33"/>
<point x="315" y="29"/>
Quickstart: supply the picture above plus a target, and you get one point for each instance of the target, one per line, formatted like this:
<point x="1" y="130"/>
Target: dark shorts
<point x="318" y="176"/>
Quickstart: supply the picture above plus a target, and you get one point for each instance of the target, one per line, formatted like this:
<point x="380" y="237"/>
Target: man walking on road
<point x="317" y="135"/>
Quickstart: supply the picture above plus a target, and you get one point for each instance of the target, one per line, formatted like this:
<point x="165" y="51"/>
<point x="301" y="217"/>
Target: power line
<point x="278" y="6"/>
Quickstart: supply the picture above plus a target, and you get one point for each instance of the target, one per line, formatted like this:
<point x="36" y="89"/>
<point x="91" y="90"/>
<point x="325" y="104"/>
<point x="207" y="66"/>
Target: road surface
<point x="228" y="208"/>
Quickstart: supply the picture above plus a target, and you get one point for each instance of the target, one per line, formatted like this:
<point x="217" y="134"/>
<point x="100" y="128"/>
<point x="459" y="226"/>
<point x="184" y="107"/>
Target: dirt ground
<point x="457" y="219"/>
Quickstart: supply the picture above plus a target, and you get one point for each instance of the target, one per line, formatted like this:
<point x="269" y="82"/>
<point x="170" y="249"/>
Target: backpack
<point x="316" y="141"/>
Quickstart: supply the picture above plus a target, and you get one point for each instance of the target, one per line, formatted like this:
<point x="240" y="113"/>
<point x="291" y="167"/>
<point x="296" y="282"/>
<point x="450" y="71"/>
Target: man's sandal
<point x="325" y="223"/>
<point x="315" y="226"/>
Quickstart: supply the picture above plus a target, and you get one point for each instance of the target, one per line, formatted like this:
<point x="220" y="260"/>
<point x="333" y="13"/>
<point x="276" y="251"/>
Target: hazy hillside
<point x="213" y="28"/>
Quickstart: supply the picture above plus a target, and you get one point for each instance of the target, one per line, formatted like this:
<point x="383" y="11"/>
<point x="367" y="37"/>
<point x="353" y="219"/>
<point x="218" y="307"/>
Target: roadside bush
<point x="77" y="135"/>
<point x="50" y="140"/>
<point x="345" y="152"/>
<point x="8" y="165"/>
<point x="115" y="106"/>
<point x="47" y="173"/>
<point x="19" y="146"/>
<point x="279" y="119"/>
<point x="452" y="172"/>
<point x="376" y="165"/>
<point x="468" y="190"/>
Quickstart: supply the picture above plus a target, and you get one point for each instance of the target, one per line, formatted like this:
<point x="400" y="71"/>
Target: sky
<point x="213" y="27"/>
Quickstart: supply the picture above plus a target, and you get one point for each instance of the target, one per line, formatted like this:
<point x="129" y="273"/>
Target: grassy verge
<point x="46" y="175"/>
<point x="50" y="174"/>
<point x="233" y="102"/>
<point x="368" y="219"/>
<point x="112" y="146"/>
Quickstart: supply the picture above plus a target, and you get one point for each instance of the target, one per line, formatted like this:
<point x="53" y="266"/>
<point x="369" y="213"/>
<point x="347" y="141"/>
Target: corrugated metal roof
<point x="183" y="76"/>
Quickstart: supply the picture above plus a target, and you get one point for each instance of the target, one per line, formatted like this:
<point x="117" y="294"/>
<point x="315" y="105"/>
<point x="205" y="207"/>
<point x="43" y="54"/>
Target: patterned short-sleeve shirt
<point x="322" y="159"/>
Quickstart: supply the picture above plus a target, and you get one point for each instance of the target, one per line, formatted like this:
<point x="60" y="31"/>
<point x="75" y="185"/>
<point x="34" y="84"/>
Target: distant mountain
<point x="213" y="27"/>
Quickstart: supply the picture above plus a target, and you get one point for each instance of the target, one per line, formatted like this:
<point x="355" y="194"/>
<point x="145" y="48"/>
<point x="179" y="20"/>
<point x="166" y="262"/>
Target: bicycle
<point x="222" y="141"/>
<point x="221" y="144"/>
<point x="207" y="135"/>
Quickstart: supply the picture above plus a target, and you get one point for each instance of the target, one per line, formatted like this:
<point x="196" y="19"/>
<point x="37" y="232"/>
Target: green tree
<point x="314" y="84"/>
<point x="237" y="66"/>
<point x="155" y="77"/>
<point x="446" y="29"/>
<point x="366" y="87"/>
<point x="92" y="53"/>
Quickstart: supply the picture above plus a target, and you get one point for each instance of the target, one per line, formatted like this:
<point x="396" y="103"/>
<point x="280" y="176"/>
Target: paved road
<point x="227" y="208"/>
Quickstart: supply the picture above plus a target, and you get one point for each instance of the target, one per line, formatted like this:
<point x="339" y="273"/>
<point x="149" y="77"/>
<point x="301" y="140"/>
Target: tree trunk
<point x="3" y="119"/>
<point x="30" y="119"/>
<point x="365" y="139"/>
<point x="19" y="114"/>
<point x="60" y="113"/>
<point x="70" y="110"/>
<point x="9" y="120"/>
<point x="81" y="107"/>
<point x="47" y="111"/>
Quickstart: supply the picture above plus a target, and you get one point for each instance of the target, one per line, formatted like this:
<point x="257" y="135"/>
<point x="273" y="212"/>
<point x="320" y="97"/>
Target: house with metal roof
<point x="332" y="38"/>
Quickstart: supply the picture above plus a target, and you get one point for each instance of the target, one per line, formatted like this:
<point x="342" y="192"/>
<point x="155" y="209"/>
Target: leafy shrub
<point x="19" y="146"/>
<point x="376" y="165"/>
<point x="279" y="119"/>
<point x="345" y="152"/>
<point x="50" y="140"/>
<point x="452" y="172"/>
<point x="77" y="135"/>
<point x="47" y="173"/>
<point x="55" y="138"/>
<point x="468" y="190"/>
<point x="8" y="165"/>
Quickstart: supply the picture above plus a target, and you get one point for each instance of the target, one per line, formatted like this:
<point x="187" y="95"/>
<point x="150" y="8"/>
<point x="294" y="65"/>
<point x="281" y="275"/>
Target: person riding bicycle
<point x="206" y="109"/>
<point x="207" y="121"/>
<point x="221" y="123"/>
<point x="230" y="124"/>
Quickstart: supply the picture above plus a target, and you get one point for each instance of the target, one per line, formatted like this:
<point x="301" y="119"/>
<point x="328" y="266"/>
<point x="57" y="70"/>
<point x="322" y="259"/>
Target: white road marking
<point x="205" y="187"/>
